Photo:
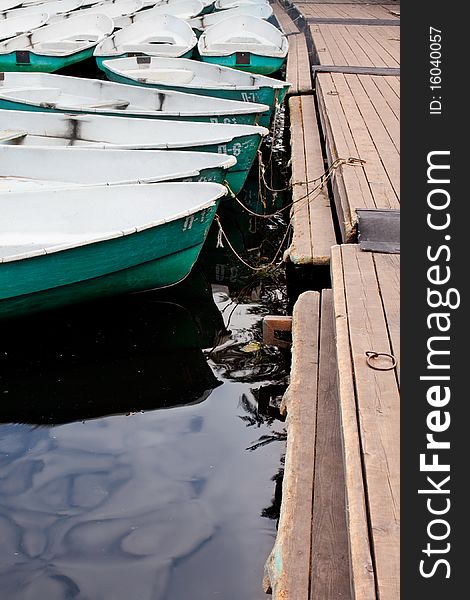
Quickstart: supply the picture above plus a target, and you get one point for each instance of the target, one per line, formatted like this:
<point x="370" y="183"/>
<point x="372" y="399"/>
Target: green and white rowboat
<point x="55" y="46"/>
<point x="184" y="9"/>
<point x="261" y="11"/>
<point x="15" y="26"/>
<point x="23" y="168"/>
<point x="21" y="128"/>
<point x="120" y="11"/>
<point x="245" y="43"/>
<point x="58" y="93"/>
<point x="52" y="8"/>
<point x="195" y="77"/>
<point x="66" y="246"/>
<point x="161" y="35"/>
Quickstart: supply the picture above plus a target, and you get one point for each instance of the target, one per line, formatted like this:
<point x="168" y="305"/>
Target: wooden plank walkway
<point x="310" y="557"/>
<point x="321" y="10"/>
<point x="360" y="119"/>
<point x="356" y="45"/>
<point x="312" y="218"/>
<point x="366" y="314"/>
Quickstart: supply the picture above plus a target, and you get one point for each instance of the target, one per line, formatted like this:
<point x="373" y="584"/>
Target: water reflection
<point x="107" y="502"/>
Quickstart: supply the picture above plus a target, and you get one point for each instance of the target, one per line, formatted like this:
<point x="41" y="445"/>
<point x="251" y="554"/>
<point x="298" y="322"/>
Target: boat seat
<point x="149" y="48"/>
<point x="8" y="135"/>
<point x="118" y="104"/>
<point x="173" y="76"/>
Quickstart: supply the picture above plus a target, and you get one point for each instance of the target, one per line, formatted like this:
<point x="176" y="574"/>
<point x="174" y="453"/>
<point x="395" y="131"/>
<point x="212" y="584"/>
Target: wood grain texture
<point x="360" y="119"/>
<point x="298" y="72"/>
<point x="330" y="554"/>
<point x="349" y="10"/>
<point x="312" y="219"/>
<point x="288" y="568"/>
<point x="377" y="403"/>
<point x="362" y="570"/>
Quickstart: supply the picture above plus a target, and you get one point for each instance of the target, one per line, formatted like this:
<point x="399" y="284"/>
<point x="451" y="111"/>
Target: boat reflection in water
<point x="136" y="353"/>
<point x="102" y="499"/>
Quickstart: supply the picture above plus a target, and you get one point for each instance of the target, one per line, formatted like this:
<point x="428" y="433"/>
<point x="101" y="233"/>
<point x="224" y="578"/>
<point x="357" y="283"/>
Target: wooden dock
<point x="338" y="534"/>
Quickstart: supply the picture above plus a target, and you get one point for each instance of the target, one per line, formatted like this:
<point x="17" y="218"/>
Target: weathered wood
<point x="312" y="218"/>
<point x="349" y="10"/>
<point x="362" y="571"/>
<point x="286" y="24"/>
<point x="379" y="230"/>
<point x="298" y="72"/>
<point x="330" y="553"/>
<point x="356" y="70"/>
<point x="357" y="45"/>
<point x="377" y="405"/>
<point x="358" y="122"/>
<point x="388" y="276"/>
<point x="349" y="21"/>
<point x="288" y="567"/>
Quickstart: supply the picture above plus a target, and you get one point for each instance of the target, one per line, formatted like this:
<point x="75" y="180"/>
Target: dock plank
<point x="312" y="218"/>
<point x="330" y="553"/>
<point x="288" y="567"/>
<point x="325" y="10"/>
<point x="286" y="24"/>
<point x="298" y="72"/>
<point x="362" y="570"/>
<point x="357" y="122"/>
<point x="356" y="45"/>
<point x="377" y="403"/>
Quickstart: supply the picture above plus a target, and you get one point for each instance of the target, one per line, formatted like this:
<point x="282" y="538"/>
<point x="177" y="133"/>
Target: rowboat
<point x="195" y="77"/>
<point x="162" y="35"/>
<point x="120" y="11"/>
<point x="23" y="168"/>
<point x="184" y="9"/>
<point x="65" y="246"/>
<point x="9" y="4"/>
<point x="246" y="43"/>
<point x="54" y="7"/>
<point x="261" y="11"/>
<point x="55" y="46"/>
<point x="15" y="26"/>
<point x="23" y="129"/>
<point x="59" y="93"/>
<point x="224" y="4"/>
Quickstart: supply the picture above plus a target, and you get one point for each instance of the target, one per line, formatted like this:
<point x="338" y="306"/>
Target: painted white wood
<point x="8" y="4"/>
<point x="55" y="129"/>
<point x="23" y="168"/>
<point x="184" y="9"/>
<point x="223" y="4"/>
<point x="44" y="222"/>
<point x="160" y="35"/>
<point x="96" y="96"/>
<point x="67" y="37"/>
<point x="54" y="7"/>
<point x="243" y="33"/>
<point x="14" y="26"/>
<point x="184" y="72"/>
<point x="261" y="10"/>
<point x="118" y="10"/>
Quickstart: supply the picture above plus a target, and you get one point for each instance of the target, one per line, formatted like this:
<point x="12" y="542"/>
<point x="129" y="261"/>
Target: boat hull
<point x="150" y="259"/>
<point x="101" y="59"/>
<point x="263" y="65"/>
<point x="233" y="119"/>
<point x="262" y="95"/>
<point x="39" y="63"/>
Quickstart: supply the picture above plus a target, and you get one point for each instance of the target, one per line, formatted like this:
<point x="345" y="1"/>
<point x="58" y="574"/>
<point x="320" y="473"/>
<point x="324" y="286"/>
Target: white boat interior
<point x="262" y="11"/>
<point x="54" y="7"/>
<point x="23" y="168"/>
<point x="24" y="128"/>
<point x="43" y="222"/>
<point x="64" y="38"/>
<point x="223" y="4"/>
<point x="9" y="4"/>
<point x="59" y="92"/>
<point x="243" y="33"/>
<point x="184" y="9"/>
<point x="116" y="10"/>
<point x="15" y="26"/>
<point x="158" y="35"/>
<point x="184" y="72"/>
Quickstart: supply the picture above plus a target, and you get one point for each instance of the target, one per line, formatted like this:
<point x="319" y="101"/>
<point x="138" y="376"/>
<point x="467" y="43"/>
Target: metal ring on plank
<point x="371" y="355"/>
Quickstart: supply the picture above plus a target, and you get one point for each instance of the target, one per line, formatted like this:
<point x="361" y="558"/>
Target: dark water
<point x="132" y="466"/>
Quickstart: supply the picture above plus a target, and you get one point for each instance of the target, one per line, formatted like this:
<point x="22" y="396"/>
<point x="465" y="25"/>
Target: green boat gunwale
<point x="118" y="234"/>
